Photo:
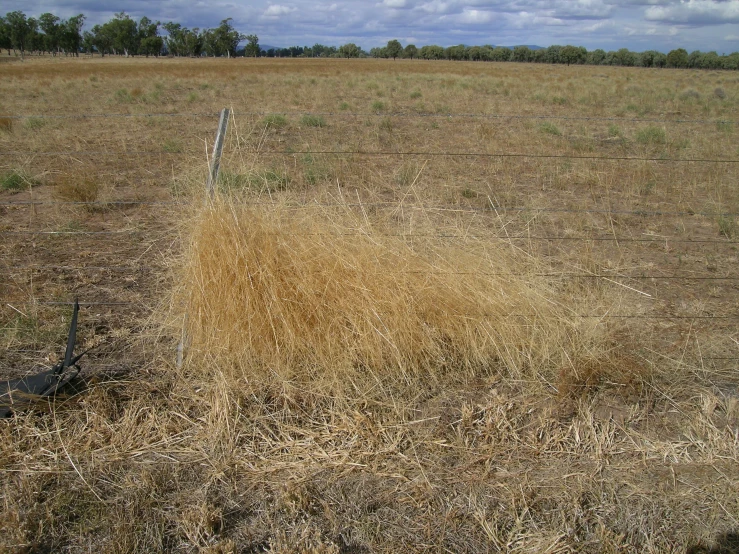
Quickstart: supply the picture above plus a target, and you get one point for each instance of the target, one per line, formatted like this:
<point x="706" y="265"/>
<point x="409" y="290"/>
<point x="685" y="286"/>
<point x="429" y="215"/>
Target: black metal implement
<point x="21" y="393"/>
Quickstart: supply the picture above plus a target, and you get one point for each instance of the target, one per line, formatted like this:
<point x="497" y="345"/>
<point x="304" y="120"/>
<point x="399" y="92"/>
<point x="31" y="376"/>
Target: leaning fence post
<point x="215" y="162"/>
<point x="210" y="188"/>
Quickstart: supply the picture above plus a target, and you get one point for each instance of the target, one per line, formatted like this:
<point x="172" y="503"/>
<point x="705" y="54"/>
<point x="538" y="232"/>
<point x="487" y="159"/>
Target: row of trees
<point x="561" y="55"/>
<point x="48" y="33"/>
<point x="123" y="35"/>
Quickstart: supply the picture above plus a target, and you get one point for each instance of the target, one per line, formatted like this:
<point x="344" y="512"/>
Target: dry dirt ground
<point x="614" y="187"/>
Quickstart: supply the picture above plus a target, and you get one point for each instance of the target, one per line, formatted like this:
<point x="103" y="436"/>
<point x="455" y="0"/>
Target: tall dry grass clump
<point x="329" y="297"/>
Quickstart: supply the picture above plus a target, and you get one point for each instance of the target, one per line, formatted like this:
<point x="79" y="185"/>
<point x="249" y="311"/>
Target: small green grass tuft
<point x="172" y="146"/>
<point x="34" y="123"/>
<point x="313" y="121"/>
<point x="651" y="135"/>
<point x="275" y="120"/>
<point x="727" y="227"/>
<point x="344" y="106"/>
<point x="550" y="128"/>
<point x="724" y="126"/>
<point x="614" y="131"/>
<point x="122" y="95"/>
<point x="378" y="106"/>
<point x="16" y="181"/>
<point x="386" y="124"/>
<point x="268" y="180"/>
<point x="416" y="94"/>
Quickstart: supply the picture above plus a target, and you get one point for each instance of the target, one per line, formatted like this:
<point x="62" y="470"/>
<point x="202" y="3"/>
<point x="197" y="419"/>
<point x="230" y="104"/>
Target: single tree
<point x="522" y="54"/>
<point x="71" y="35"/>
<point x="410" y="51"/>
<point x="20" y="29"/>
<point x="88" y="43"/>
<point x="573" y="55"/>
<point x="5" y="35"/>
<point x="349" y="50"/>
<point x="49" y="25"/>
<point x="252" y="46"/>
<point x="394" y="49"/>
<point x="677" y="58"/>
<point x="102" y="39"/>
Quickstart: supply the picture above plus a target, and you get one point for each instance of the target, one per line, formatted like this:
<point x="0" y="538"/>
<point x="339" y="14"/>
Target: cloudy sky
<point x="609" y="24"/>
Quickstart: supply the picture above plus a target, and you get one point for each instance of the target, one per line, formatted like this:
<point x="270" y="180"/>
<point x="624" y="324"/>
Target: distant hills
<point x="266" y="47"/>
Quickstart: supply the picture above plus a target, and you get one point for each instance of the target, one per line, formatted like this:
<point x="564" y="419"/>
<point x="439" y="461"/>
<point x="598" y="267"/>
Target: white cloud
<point x="397" y="4"/>
<point x="276" y="10"/>
<point x="475" y="17"/>
<point x="732" y="38"/>
<point x="437" y="7"/>
<point x="696" y="12"/>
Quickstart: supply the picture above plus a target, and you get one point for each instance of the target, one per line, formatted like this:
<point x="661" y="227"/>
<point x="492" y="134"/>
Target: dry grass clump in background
<point x="6" y="125"/>
<point x="321" y="296"/>
<point x="80" y="189"/>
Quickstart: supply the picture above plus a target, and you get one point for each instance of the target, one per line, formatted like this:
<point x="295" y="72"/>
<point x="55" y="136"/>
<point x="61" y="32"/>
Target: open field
<point x="436" y="306"/>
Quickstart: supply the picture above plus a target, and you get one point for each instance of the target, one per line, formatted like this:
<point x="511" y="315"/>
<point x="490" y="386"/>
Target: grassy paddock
<point x="387" y="349"/>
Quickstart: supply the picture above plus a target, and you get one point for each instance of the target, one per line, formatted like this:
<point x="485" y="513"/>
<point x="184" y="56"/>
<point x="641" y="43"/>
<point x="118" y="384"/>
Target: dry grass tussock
<point x="327" y="295"/>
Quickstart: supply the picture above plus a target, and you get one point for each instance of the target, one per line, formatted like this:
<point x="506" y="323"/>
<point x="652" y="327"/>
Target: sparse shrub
<point x="34" y="123"/>
<point x="550" y="128"/>
<point x="193" y="97"/>
<point x="378" y="106"/>
<point x="728" y="227"/>
<point x="416" y="94"/>
<point x="560" y="100"/>
<point x="16" y="181"/>
<point x="720" y="93"/>
<point x="274" y="120"/>
<point x="614" y="130"/>
<point x="344" y="106"/>
<point x="6" y="125"/>
<point x="313" y="121"/>
<point x="690" y="95"/>
<point x="469" y="193"/>
<point x="651" y="135"/>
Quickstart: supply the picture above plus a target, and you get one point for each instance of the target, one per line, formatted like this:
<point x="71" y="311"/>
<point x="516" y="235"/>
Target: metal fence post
<point x="215" y="163"/>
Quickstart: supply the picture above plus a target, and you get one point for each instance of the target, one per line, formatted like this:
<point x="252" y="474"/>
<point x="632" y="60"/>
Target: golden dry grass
<point x="325" y="295"/>
<point x="383" y="351"/>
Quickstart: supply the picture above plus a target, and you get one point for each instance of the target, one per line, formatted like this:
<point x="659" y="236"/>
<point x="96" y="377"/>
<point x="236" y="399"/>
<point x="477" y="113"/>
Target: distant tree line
<point x="569" y="55"/>
<point x="125" y="36"/>
<point x="122" y="35"/>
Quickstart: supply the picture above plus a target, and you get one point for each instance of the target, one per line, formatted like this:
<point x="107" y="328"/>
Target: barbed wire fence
<point x="128" y="234"/>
